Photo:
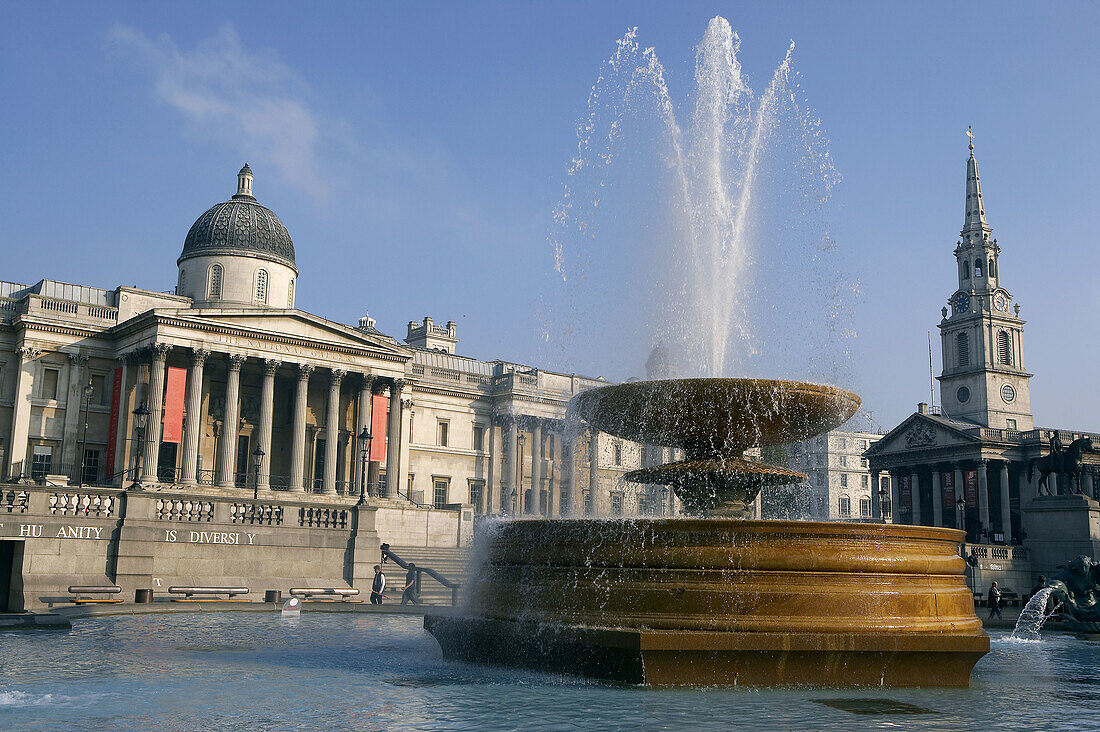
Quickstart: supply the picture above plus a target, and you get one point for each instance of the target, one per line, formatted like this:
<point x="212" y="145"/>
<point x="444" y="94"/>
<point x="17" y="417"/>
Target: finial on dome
<point x="969" y="133"/>
<point x="244" y="183"/>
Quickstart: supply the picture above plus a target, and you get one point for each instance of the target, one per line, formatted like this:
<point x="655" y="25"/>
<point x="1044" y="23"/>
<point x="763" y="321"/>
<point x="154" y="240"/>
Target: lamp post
<point x="88" y="391"/>
<point x="960" y="509"/>
<point x="141" y="416"/>
<point x="257" y="460"/>
<point x="364" y="450"/>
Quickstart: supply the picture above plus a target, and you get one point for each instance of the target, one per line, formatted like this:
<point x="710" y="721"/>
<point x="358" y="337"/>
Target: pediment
<point x="921" y="432"/>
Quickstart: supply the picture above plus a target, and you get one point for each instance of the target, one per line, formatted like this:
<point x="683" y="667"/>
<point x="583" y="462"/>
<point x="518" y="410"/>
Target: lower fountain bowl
<point x="720" y="602"/>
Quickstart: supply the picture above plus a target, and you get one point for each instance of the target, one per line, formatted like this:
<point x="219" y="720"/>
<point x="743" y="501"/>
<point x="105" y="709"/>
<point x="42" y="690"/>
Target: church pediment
<point x="921" y="432"/>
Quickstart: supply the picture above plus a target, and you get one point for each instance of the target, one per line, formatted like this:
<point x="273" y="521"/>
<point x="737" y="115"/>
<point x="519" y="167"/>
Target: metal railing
<point x="453" y="586"/>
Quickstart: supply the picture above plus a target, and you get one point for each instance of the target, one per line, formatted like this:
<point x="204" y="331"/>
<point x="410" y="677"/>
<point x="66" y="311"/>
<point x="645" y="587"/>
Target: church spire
<point x="975" y="226"/>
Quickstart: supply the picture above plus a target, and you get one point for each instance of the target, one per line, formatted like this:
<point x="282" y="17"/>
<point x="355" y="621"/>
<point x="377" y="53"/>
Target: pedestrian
<point x="378" y="586"/>
<point x="994" y="600"/>
<point x="409" y="594"/>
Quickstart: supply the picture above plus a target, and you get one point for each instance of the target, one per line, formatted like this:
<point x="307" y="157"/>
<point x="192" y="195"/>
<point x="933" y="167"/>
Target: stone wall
<point x="155" y="540"/>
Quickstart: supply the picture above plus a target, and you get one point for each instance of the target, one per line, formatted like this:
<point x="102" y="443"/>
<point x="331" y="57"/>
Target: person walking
<point x="994" y="600"/>
<point x="409" y="594"/>
<point x="378" y="586"/>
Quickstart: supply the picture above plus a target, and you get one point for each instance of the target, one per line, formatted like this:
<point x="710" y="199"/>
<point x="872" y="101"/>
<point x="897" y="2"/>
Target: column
<point x="393" y="431"/>
<point x="1089" y="486"/>
<point x="365" y="404"/>
<point x="493" y="472"/>
<point x="569" y="453"/>
<point x="895" y="498"/>
<point x="227" y="454"/>
<point x="983" y="494"/>
<point x="536" y="468"/>
<point x="960" y="492"/>
<point x="267" y="419"/>
<point x="876" y="500"/>
<point x="21" y="412"/>
<point x="509" y="497"/>
<point x="193" y="425"/>
<point x="298" y="442"/>
<point x="1006" y="505"/>
<point x="122" y="432"/>
<point x="332" y="430"/>
<point x="914" y="488"/>
<point x="593" y="469"/>
<point x="937" y="497"/>
<point x="151" y="452"/>
<point x="71" y="452"/>
<point x="553" y="479"/>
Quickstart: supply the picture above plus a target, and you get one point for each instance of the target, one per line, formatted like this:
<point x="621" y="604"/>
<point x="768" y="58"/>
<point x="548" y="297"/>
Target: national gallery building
<point x="969" y="463"/>
<point x="224" y="385"/>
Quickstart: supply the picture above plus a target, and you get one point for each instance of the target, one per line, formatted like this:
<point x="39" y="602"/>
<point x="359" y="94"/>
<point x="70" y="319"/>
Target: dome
<point x="240" y="226"/>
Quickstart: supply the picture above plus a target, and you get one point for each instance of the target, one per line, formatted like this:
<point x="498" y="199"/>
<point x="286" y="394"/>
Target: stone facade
<point x="840" y="483"/>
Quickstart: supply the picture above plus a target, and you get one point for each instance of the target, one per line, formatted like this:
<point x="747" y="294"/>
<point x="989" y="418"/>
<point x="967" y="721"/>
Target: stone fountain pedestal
<point x="722" y="602"/>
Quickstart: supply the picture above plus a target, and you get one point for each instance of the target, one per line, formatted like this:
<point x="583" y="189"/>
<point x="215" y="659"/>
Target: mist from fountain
<point x="702" y="272"/>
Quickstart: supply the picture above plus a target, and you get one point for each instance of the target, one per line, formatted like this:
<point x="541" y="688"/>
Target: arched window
<point x="977" y="268"/>
<point x="991" y="270"/>
<point x="290" y="295"/>
<point x="215" y="290"/>
<point x="966" y="269"/>
<point x="962" y="347"/>
<point x="844" y="506"/>
<point x="261" y="286"/>
<point x="1004" y="348"/>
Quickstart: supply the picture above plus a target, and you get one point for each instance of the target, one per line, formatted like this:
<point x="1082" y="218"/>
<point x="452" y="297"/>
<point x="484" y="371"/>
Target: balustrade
<point x="256" y="513"/>
<point x="184" y="509"/>
<point x="82" y="504"/>
<point x="13" y="501"/>
<point x="325" y="518"/>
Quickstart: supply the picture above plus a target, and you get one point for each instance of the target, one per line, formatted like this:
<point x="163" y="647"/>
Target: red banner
<point x="379" y="404"/>
<point x="112" y="429"/>
<point x="947" y="483"/>
<point x="971" y="480"/>
<point x="173" y="405"/>
<point x="905" y="490"/>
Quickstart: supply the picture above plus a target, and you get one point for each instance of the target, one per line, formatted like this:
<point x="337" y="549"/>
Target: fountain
<point x="715" y="598"/>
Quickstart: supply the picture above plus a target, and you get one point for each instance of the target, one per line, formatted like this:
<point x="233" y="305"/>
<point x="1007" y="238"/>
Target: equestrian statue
<point x="1060" y="461"/>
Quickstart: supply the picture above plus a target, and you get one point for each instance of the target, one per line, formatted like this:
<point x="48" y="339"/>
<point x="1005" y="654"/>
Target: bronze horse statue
<point x="1069" y="462"/>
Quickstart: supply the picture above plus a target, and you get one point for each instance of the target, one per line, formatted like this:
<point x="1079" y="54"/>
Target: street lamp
<point x="141" y="416"/>
<point x="88" y="390"/>
<point x="257" y="460"/>
<point x="364" y="450"/>
<point x="960" y="508"/>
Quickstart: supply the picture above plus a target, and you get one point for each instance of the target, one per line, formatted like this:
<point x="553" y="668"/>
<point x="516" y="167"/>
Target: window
<point x="992" y="269"/>
<point x="587" y="503"/>
<point x="41" y="461"/>
<point x="1010" y="423"/>
<point x="1004" y="348"/>
<point x="261" y="286"/>
<point x="616" y="504"/>
<point x="618" y="453"/>
<point x="477" y="491"/>
<point x="863" y="444"/>
<point x="966" y="269"/>
<point x="99" y="389"/>
<point x="290" y="295"/>
<point x="479" y="437"/>
<point x="91" y="466"/>
<point x="962" y="345"/>
<point x="844" y="480"/>
<point x="442" y="433"/>
<point x="844" y="460"/>
<point x="977" y="268"/>
<point x="864" y="481"/>
<point x="439" y="498"/>
<point x="215" y="289"/>
<point x="865" y="507"/>
<point x="49" y="383"/>
<point x="844" y="506"/>
<point x="842" y="443"/>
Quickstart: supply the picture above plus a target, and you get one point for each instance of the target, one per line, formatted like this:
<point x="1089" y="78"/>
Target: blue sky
<point x="416" y="151"/>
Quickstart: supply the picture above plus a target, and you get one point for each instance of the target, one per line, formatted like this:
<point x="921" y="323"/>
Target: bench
<point x="325" y="594"/>
<point x="190" y="592"/>
<point x="94" y="590"/>
<point x="979" y="598"/>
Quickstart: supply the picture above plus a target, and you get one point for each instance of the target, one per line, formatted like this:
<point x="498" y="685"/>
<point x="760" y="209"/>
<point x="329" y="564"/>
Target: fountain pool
<point x="244" y="671"/>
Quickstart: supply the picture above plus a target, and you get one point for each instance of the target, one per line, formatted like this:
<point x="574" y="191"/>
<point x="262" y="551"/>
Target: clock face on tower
<point x="1000" y="301"/>
<point x="961" y="302"/>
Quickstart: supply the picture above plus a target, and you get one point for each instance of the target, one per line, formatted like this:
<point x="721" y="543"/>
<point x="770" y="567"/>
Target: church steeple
<point x="975" y="227"/>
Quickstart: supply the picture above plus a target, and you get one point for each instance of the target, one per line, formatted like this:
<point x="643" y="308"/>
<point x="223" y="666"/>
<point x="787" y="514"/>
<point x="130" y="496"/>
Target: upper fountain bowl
<point x="715" y="416"/>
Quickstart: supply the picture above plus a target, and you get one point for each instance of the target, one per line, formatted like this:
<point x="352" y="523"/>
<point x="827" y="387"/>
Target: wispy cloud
<point x="239" y="96"/>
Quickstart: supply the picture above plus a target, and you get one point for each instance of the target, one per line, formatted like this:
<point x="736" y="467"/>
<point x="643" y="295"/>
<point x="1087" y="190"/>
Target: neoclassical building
<point x="245" y="392"/>
<point x="965" y="464"/>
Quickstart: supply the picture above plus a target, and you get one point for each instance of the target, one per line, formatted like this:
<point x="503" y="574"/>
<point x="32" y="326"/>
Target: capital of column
<point x="368" y="381"/>
<point x="407" y="403"/>
<point x="236" y="360"/>
<point x="160" y="351"/>
<point x="198" y="356"/>
<point x="337" y="377"/>
<point x="271" y="365"/>
<point x="78" y="359"/>
<point x="304" y="371"/>
<point x="28" y="353"/>
<point x="398" y="385"/>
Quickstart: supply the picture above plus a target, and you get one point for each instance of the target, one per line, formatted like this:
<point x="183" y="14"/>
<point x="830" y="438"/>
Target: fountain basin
<point x="721" y="602"/>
